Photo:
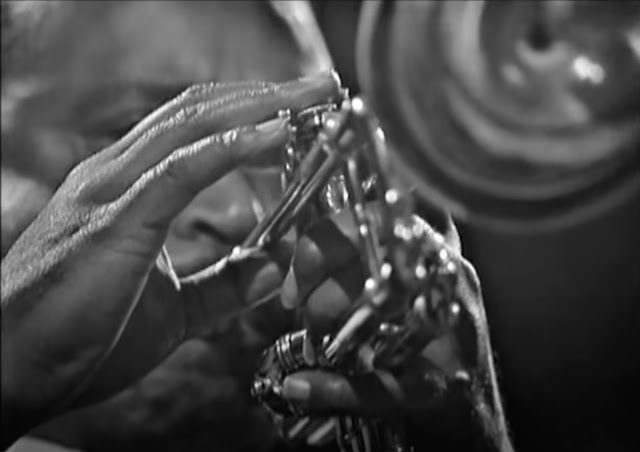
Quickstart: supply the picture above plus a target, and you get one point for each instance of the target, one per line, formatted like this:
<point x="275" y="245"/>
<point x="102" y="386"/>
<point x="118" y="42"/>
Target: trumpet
<point x="338" y="159"/>
<point x="519" y="164"/>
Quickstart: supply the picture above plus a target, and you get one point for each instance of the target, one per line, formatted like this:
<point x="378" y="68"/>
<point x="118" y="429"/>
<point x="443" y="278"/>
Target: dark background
<point x="563" y="308"/>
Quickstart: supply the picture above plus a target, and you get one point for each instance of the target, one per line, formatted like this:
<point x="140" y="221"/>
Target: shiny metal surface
<point x="343" y="147"/>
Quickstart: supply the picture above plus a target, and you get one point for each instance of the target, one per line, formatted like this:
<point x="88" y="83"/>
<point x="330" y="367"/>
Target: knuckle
<point x="198" y="90"/>
<point x="151" y="134"/>
<point x="270" y="89"/>
<point x="228" y="142"/>
<point x="187" y="113"/>
<point x="229" y="137"/>
<point x="81" y="182"/>
<point x="264" y="87"/>
<point x="182" y="115"/>
<point x="308" y="261"/>
<point x="339" y="392"/>
<point x="191" y="91"/>
<point x="175" y="169"/>
<point x="77" y="174"/>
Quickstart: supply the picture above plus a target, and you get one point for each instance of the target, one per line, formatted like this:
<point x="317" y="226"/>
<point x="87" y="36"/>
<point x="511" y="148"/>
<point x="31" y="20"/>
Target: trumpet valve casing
<point x="282" y="358"/>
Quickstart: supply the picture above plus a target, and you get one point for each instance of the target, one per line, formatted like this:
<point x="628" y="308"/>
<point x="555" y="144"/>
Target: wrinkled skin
<point x="202" y="383"/>
<point x="59" y="134"/>
<point x="563" y="304"/>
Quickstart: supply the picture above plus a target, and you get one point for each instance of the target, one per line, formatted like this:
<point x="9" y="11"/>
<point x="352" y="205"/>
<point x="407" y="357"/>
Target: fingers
<point x="211" y="302"/>
<point x="205" y="91"/>
<point x="328" y="304"/>
<point x="192" y="96"/>
<point x="332" y="243"/>
<point x="375" y="394"/>
<point x="163" y="191"/>
<point x="201" y="111"/>
<point x="327" y="247"/>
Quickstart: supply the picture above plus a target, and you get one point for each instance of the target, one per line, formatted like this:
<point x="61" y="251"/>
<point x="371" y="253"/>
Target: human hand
<point x="84" y="310"/>
<point x="197" y="398"/>
<point x="442" y="387"/>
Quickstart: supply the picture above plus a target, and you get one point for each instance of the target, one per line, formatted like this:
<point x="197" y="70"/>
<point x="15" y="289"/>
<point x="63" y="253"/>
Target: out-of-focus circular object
<point x="514" y="115"/>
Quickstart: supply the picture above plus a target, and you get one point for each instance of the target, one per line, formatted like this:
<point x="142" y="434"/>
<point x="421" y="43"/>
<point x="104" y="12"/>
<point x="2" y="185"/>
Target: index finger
<point x="198" y="116"/>
<point x="228" y="105"/>
<point x="328" y="247"/>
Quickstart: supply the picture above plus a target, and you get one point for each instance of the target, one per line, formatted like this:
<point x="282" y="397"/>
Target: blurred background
<point x="563" y="303"/>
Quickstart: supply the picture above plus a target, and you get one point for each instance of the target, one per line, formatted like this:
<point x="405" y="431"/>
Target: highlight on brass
<point x="338" y="160"/>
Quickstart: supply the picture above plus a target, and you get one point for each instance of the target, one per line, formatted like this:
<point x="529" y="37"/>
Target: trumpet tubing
<point x="338" y="160"/>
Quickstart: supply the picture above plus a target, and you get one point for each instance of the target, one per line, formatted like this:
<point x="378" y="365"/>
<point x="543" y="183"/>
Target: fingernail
<point x="323" y="76"/>
<point x="296" y="389"/>
<point x="308" y="351"/>
<point x="289" y="291"/>
<point x="272" y="126"/>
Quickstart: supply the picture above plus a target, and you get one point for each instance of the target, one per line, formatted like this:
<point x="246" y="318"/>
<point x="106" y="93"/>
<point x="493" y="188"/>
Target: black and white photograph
<point x="320" y="225"/>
